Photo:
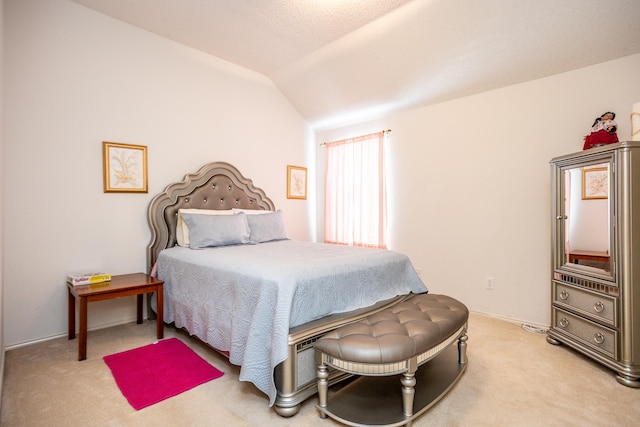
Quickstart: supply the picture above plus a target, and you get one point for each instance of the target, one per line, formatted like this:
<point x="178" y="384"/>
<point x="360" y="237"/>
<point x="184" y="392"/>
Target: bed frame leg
<point x="286" y="411"/>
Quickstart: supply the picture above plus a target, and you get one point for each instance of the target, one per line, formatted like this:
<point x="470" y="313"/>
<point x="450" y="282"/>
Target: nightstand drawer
<point x="599" y="307"/>
<point x="594" y="335"/>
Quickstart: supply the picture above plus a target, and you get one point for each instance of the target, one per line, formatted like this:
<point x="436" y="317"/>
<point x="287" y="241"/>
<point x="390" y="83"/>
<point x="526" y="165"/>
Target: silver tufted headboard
<point x="216" y="185"/>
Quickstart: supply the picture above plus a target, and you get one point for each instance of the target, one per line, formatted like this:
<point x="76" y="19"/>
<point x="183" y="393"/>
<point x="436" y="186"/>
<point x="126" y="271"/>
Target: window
<point x="355" y="209"/>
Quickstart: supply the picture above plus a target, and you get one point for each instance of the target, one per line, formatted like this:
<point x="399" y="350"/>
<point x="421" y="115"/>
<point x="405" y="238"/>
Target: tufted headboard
<point x="216" y="185"/>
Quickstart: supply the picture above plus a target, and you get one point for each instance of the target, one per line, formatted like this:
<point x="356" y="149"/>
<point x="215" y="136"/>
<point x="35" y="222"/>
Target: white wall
<point x="75" y="78"/>
<point x="1" y="200"/>
<point x="469" y="182"/>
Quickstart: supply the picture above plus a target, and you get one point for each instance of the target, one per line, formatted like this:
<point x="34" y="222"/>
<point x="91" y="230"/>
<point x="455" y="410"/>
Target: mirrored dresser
<point x="595" y="256"/>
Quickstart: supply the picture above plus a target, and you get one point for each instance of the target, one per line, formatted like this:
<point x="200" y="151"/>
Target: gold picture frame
<point x="124" y="167"/>
<point x="296" y="182"/>
<point x="595" y="183"/>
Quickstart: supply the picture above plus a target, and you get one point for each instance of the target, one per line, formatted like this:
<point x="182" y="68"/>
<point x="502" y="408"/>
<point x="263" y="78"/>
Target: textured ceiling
<point x="262" y="35"/>
<point x="343" y="61"/>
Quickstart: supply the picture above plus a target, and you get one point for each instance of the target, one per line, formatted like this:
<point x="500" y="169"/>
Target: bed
<point x="238" y="283"/>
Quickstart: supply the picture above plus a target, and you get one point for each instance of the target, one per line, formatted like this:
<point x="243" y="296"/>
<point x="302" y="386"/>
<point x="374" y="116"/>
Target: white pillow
<point x="182" y="229"/>
<point x="251" y="211"/>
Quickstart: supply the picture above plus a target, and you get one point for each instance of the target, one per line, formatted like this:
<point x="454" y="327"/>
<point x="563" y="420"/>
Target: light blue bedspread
<point x="243" y="299"/>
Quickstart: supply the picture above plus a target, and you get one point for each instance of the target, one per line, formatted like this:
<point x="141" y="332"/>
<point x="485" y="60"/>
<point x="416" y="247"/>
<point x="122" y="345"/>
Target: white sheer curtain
<point x="355" y="211"/>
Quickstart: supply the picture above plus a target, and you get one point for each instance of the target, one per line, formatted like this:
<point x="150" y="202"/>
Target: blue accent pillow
<point x="206" y="231"/>
<point x="266" y="227"/>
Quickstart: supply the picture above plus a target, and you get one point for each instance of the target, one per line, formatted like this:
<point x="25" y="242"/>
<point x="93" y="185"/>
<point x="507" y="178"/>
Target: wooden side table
<point x="574" y="256"/>
<point x="120" y="286"/>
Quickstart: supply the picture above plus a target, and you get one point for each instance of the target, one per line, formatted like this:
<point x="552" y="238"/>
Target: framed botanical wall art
<point x="125" y="168"/>
<point x="296" y="182"/>
<point x="595" y="183"/>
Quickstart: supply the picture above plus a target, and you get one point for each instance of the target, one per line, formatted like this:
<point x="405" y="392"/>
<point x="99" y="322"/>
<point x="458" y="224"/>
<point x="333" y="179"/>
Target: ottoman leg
<point x="323" y="384"/>
<point x="408" y="381"/>
<point x="462" y="348"/>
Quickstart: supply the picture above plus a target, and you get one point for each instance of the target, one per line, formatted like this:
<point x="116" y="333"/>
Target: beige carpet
<point x="514" y="378"/>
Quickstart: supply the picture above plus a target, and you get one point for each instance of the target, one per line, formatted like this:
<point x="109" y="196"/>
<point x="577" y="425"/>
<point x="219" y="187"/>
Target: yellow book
<point x="88" y="278"/>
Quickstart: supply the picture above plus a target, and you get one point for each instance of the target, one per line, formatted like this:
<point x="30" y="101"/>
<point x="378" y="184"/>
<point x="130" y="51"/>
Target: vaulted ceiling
<point x="343" y="61"/>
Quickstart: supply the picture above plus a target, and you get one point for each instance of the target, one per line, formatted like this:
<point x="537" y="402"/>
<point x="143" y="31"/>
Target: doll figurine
<point x="603" y="131"/>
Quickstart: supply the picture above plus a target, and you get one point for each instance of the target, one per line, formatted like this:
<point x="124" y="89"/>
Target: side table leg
<point x="139" y="308"/>
<point x="72" y="315"/>
<point x="160" y="311"/>
<point x="82" y="340"/>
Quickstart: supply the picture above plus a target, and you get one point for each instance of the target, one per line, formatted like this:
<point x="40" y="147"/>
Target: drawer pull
<point x="598" y="338"/>
<point x="564" y="295"/>
<point x="598" y="307"/>
<point x="564" y="322"/>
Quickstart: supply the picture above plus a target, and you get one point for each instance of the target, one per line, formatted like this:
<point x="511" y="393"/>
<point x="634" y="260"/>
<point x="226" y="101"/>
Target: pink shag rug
<point x="158" y="371"/>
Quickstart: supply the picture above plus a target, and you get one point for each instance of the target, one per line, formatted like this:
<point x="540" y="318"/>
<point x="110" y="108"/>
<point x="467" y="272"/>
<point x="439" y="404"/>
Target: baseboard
<point x="512" y="320"/>
<point x="65" y="334"/>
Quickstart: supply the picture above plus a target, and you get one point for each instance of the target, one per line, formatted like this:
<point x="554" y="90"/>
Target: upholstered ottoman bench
<point x="390" y="344"/>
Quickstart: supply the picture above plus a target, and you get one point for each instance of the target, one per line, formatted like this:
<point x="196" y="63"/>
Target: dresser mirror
<point x="584" y="220"/>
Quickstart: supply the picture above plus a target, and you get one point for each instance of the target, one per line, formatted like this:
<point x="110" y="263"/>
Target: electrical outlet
<point x="490" y="283"/>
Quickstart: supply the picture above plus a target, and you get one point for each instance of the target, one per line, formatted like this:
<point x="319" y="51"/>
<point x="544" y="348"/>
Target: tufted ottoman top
<point x="397" y="333"/>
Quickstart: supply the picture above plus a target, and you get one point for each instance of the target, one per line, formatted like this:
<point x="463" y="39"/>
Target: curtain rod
<point x="386" y="132"/>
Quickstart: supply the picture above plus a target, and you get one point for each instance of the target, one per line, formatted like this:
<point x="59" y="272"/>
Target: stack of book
<point x="88" y="278"/>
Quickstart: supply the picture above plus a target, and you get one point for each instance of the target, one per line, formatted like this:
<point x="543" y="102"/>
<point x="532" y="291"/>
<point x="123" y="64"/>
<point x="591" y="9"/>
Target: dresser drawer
<point x="594" y="335"/>
<point x="599" y="307"/>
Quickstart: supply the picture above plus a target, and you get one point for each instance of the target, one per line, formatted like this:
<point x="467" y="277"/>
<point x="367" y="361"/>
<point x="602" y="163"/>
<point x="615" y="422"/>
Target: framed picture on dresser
<point x="595" y="183"/>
